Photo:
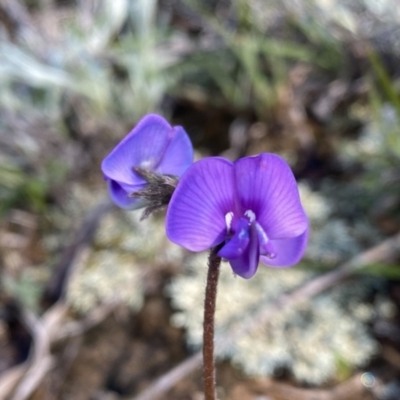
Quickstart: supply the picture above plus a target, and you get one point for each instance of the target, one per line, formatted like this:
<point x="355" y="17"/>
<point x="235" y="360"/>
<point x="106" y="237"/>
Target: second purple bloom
<point x="153" y="145"/>
<point x="251" y="208"/>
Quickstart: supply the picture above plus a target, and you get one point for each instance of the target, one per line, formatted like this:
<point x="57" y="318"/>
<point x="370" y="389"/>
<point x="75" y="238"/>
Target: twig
<point x="168" y="380"/>
<point x="77" y="328"/>
<point x="386" y="251"/>
<point x="351" y="389"/>
<point x="40" y="358"/>
<point x="10" y="379"/>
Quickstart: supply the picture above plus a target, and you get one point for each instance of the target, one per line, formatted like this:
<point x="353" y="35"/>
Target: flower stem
<point x="214" y="262"/>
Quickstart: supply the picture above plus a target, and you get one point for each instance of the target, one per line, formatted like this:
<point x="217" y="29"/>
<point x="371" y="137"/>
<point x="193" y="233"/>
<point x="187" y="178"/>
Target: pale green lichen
<point x="106" y="277"/>
<point x="123" y="251"/>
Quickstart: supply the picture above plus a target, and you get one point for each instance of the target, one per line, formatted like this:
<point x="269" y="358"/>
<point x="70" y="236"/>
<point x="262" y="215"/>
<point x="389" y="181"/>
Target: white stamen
<point x="228" y="220"/>
<point x="250" y="215"/>
<point x="147" y="164"/>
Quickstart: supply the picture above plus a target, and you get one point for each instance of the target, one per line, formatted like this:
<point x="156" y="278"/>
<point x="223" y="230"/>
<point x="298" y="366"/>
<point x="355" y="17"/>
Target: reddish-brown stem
<point x="214" y="262"/>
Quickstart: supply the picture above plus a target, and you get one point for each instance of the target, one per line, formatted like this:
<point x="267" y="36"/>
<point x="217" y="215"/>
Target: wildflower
<point x="250" y="209"/>
<point x="153" y="149"/>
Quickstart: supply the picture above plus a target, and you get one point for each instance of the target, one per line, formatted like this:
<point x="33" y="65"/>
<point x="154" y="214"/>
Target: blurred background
<point x="95" y="304"/>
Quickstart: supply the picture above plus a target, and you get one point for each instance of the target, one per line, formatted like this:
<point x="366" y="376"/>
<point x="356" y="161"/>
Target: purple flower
<point x="152" y="145"/>
<point x="250" y="208"/>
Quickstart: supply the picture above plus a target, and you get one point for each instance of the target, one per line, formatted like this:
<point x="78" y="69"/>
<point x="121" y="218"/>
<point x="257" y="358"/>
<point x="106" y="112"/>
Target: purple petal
<point x="144" y="147"/>
<point x="267" y="187"/>
<point x="129" y="188"/>
<point x="196" y="214"/>
<point x="288" y="251"/>
<point x="121" y="198"/>
<point x="246" y="265"/>
<point x="239" y="242"/>
<point x="266" y="246"/>
<point x="179" y="154"/>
